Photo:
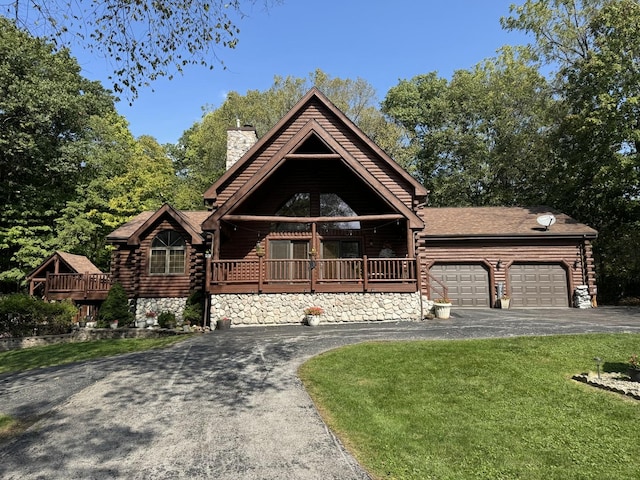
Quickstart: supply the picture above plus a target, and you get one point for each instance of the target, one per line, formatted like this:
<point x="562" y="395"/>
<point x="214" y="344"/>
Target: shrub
<point x="23" y="315"/>
<point x="115" y="307"/>
<point x="194" y="309"/>
<point x="167" y="320"/>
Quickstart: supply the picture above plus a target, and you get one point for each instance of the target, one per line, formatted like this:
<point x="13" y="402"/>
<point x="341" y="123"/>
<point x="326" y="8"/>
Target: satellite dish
<point x="546" y="220"/>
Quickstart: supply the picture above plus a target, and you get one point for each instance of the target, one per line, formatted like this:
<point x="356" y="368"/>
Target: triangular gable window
<point x="331" y="205"/>
<point x="299" y="205"/>
<point x="313" y="145"/>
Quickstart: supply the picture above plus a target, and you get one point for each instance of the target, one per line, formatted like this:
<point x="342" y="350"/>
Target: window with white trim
<point x="168" y="252"/>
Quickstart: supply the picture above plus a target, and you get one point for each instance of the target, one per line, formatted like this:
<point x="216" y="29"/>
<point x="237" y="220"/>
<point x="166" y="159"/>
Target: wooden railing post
<point x="365" y="274"/>
<point x="260" y="273"/>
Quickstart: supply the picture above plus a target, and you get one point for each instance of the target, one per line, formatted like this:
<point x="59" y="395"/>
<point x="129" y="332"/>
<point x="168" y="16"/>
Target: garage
<point x="468" y="283"/>
<point x="538" y="285"/>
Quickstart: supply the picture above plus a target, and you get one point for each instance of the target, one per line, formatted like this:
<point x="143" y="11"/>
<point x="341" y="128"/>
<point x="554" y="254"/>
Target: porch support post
<point x="260" y="273"/>
<point x="313" y="256"/>
<point x="215" y="242"/>
<point x="365" y="273"/>
<point x="411" y="248"/>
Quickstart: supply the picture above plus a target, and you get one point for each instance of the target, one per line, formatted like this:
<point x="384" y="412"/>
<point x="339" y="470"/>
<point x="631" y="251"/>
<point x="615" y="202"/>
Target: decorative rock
<point x="614" y="382"/>
<point x="581" y="297"/>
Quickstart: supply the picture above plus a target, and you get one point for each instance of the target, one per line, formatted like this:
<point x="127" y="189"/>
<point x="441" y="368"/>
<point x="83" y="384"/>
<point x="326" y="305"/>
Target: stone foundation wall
<point x="288" y="308"/>
<point x="159" y="305"/>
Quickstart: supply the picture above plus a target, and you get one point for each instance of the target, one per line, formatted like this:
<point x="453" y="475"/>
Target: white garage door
<point x="468" y="284"/>
<point x="538" y="285"/>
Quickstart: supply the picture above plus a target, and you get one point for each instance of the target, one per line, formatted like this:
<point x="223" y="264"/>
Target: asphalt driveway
<point x="223" y="405"/>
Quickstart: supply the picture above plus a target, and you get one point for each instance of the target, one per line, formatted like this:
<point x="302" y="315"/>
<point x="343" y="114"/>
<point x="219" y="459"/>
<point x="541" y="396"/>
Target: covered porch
<point x="312" y="275"/>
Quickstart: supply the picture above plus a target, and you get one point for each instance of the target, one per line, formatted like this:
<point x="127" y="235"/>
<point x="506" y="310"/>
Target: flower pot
<point x="224" y="324"/>
<point x="442" y="310"/>
<point x="504" y="302"/>
<point x="634" y="374"/>
<point x="114" y="325"/>
<point x="141" y="323"/>
<point x="312" y="320"/>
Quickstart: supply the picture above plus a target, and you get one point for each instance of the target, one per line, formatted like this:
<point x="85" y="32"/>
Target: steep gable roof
<point x="75" y="263"/>
<point x="311" y="132"/>
<point x="190" y="221"/>
<point x="465" y="222"/>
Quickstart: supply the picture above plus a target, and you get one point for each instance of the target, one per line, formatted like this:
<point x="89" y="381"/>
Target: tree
<point x="46" y="110"/>
<point x="561" y="27"/>
<point x="200" y="154"/>
<point x="142" y="39"/>
<point x="596" y="166"/>
<point x="121" y="177"/>
<point x="599" y="142"/>
<point x="115" y="307"/>
<point x="481" y="138"/>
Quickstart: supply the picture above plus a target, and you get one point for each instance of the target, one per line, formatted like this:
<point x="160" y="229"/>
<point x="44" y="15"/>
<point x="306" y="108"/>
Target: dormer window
<point x="168" y="252"/>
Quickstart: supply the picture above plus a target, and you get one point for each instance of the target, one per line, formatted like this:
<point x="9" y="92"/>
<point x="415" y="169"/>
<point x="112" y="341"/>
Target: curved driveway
<point x="223" y="405"/>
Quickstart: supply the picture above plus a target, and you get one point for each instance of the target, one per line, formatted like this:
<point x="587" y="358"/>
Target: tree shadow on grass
<point x="615" y="367"/>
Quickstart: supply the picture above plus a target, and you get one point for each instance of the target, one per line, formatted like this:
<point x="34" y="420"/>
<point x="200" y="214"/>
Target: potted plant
<point x="442" y="308"/>
<point x="150" y="317"/>
<point x="504" y="301"/>
<point x="167" y="320"/>
<point x="223" y="324"/>
<point x="634" y="368"/>
<point x="312" y="315"/>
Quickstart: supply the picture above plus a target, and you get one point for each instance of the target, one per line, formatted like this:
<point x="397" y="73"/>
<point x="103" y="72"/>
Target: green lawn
<point x="58" y="354"/>
<point x="480" y="409"/>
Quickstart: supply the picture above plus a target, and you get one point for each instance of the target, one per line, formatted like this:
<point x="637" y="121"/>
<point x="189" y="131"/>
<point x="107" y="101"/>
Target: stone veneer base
<point x="288" y="308"/>
<point x="159" y="305"/>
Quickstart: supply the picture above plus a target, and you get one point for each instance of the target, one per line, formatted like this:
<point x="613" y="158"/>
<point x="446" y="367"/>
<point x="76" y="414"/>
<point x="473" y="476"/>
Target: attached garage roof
<point x="452" y="222"/>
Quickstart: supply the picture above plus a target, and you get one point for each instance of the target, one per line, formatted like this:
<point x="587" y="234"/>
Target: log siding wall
<point x="315" y="111"/>
<point x="130" y="267"/>
<point x="575" y="256"/>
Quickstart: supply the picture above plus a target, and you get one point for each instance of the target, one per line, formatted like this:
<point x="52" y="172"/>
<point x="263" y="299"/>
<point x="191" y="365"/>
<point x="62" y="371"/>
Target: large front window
<point x="167" y="254"/>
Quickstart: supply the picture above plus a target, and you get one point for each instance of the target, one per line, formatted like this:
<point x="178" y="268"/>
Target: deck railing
<point x="301" y="275"/>
<point x="84" y="284"/>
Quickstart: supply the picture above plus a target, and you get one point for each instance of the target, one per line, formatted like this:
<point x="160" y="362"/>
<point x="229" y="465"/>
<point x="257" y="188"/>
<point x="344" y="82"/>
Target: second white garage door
<point x="468" y="283"/>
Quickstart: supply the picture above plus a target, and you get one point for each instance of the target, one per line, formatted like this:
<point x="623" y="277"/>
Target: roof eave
<point x="515" y="236"/>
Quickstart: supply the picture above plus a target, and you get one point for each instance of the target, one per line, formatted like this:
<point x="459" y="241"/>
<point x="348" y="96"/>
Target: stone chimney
<point x="239" y="141"/>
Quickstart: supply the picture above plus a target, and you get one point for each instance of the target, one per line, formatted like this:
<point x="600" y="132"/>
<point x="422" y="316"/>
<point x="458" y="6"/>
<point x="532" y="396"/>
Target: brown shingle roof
<point x="498" y="222"/>
<point x="79" y="263"/>
<point x="195" y="219"/>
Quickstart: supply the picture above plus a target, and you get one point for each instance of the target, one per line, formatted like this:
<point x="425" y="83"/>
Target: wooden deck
<point x="303" y="276"/>
<point x="77" y="286"/>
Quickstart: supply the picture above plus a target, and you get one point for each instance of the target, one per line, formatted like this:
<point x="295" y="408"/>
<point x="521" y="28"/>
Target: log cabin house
<point x="315" y="213"/>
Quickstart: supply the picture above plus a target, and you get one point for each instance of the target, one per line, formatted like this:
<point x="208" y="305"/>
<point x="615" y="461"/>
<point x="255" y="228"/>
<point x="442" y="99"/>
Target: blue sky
<point x="378" y="41"/>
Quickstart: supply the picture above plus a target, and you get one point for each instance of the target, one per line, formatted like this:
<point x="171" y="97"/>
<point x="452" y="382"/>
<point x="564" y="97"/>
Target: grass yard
<point x="480" y="409"/>
<point x="58" y="354"/>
